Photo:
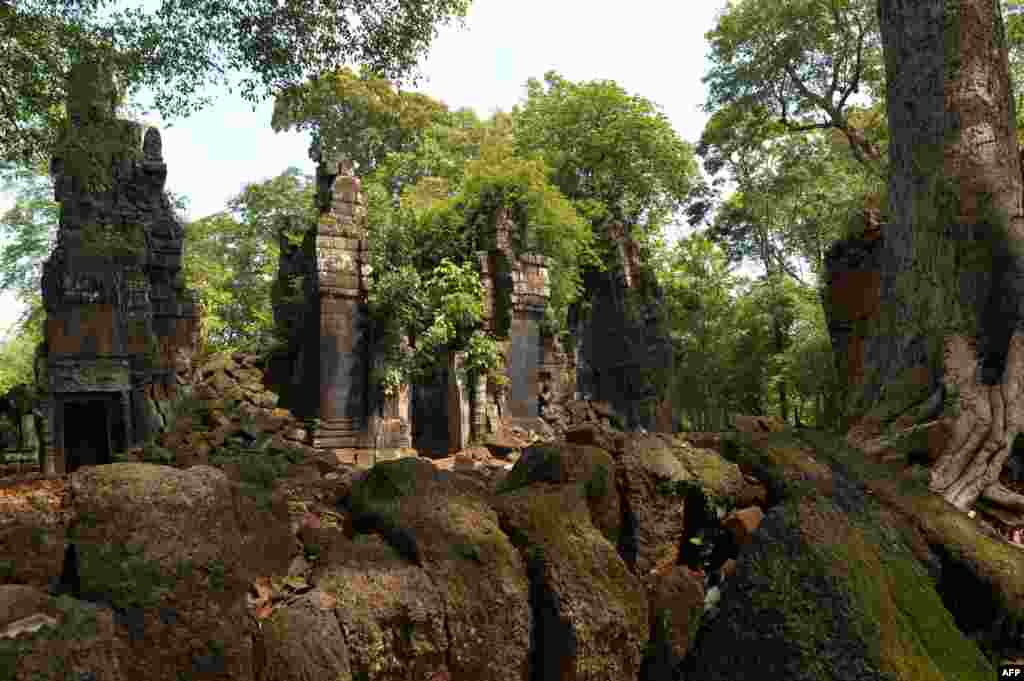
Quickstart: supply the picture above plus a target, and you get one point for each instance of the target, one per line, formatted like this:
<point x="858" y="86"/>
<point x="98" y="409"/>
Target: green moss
<point x="122" y="573"/>
<point x="75" y="623"/>
<point x="912" y="635"/>
<point x="216" y="572"/>
<point x="467" y="551"/>
<point x="546" y="466"/>
<point x="898" y="396"/>
<point x="556" y="528"/>
<point x="375" y="501"/>
<point x="597" y="485"/>
<point x="770" y="461"/>
<point x="154" y="453"/>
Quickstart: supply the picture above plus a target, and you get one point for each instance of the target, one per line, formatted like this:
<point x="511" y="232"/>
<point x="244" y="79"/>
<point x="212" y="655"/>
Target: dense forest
<point x="793" y="156"/>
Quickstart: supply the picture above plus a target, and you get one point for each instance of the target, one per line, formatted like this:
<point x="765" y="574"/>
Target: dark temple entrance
<point x="87" y="434"/>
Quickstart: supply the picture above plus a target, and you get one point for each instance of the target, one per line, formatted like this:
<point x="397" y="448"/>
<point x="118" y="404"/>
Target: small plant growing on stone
<point x="216" y="571"/>
<point x="153" y="453"/>
<point x="467" y="551"/>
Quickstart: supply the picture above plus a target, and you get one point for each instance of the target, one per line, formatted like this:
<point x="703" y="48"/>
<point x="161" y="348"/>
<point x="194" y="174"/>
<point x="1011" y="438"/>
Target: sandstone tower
<point x="120" y="326"/>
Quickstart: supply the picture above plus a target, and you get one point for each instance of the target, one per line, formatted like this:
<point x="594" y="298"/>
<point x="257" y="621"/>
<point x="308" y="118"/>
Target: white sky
<point x="652" y="48"/>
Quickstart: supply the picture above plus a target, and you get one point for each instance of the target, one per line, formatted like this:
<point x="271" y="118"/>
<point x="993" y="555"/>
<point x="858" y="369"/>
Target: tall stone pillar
<point x="338" y="347"/>
<point x="458" y="404"/>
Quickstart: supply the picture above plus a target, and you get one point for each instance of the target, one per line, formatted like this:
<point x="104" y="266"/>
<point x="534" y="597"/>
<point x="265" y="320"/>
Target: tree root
<point x="982" y="433"/>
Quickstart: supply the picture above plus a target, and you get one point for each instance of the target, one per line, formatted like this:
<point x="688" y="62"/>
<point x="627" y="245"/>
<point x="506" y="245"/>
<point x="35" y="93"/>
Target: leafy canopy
<point x="615" y="155"/>
<point x="183" y="46"/>
<point x="231" y="259"/>
<point x="362" y="118"/>
<point x="801" y="63"/>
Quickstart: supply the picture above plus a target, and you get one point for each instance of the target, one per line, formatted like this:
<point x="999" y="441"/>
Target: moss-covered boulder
<point x="84" y="639"/>
<point x="591" y="616"/>
<point x="438" y="521"/>
<point x="829" y="588"/>
<point x="174" y="552"/>
<point x="656" y="474"/>
<point x="817" y="596"/>
<point x="303" y="641"/>
<point x="33" y="522"/>
<point x="588" y="466"/>
<point x="390" y="611"/>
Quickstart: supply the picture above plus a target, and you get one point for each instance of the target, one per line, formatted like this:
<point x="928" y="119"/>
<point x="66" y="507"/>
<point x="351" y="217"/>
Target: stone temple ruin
<point x="121" y="328"/>
<point x="119" y="322"/>
<point x="324" y="373"/>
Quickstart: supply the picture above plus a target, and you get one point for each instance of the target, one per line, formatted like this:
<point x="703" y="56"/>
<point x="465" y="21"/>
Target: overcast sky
<point x="652" y="48"/>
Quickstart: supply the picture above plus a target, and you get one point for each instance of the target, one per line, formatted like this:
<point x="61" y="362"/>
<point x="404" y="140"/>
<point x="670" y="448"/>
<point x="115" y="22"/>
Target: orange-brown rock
<point x="743" y="523"/>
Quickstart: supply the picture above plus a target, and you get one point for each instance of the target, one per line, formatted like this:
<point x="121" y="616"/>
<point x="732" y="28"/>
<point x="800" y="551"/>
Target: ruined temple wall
<point x="618" y="351"/>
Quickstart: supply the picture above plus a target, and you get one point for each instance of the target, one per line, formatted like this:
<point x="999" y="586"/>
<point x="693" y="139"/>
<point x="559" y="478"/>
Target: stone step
<point x="339" y="441"/>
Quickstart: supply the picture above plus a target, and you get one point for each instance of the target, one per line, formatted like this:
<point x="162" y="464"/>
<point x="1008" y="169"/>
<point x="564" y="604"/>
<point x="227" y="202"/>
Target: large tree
<point x="185" y="45"/>
<point x="953" y="267"/>
<point x="614" y="154"/>
<point x="805" y="64"/>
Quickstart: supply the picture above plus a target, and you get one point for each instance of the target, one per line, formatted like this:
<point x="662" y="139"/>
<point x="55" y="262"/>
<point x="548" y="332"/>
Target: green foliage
<point x="231" y="259"/>
<point x="28" y="228"/>
<point x="17" y="349"/>
<point x="1013" y="19"/>
<point x="799" y="64"/>
<point x="614" y="155"/>
<point x="216" y="571"/>
<point x="178" y="49"/>
<point x="362" y="118"/>
<point x="123" y="574"/>
<point x="153" y="453"/>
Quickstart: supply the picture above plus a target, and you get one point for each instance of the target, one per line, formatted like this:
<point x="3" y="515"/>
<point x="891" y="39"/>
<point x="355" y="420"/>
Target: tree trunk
<point x="952" y="269"/>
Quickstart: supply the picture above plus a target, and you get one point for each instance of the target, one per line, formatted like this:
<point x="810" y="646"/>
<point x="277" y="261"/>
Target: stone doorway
<point x="88" y="439"/>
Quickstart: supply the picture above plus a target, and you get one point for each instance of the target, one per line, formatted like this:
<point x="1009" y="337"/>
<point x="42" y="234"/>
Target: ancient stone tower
<point x="320" y="305"/>
<point x="120" y="325"/>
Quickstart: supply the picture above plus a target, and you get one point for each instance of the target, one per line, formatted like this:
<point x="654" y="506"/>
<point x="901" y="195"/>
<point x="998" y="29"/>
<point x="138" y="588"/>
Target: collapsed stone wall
<point x="621" y="343"/>
<point x="120" y="326"/>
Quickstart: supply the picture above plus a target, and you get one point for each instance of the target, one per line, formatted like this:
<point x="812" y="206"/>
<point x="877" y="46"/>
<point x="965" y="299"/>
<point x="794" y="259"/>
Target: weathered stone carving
<point x="118" y="318"/>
